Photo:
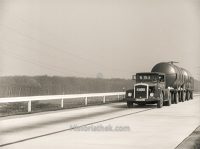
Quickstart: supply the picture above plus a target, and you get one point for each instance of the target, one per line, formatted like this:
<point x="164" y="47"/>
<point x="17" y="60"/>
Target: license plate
<point x="139" y="99"/>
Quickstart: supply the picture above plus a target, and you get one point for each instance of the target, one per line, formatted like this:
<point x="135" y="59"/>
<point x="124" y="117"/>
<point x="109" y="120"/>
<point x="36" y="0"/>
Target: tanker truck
<point x="165" y="84"/>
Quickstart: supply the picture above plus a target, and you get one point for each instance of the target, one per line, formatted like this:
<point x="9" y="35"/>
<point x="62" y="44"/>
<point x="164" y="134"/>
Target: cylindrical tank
<point x="186" y="76"/>
<point x="188" y="79"/>
<point x="175" y="76"/>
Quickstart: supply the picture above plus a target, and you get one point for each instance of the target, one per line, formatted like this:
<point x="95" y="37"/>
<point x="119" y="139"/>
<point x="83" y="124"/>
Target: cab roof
<point x="155" y="73"/>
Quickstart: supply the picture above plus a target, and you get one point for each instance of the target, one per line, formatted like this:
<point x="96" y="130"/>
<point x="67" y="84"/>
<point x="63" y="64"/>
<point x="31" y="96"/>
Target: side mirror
<point x="134" y="77"/>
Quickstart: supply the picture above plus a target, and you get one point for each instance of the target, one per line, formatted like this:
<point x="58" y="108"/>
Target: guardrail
<point x="29" y="99"/>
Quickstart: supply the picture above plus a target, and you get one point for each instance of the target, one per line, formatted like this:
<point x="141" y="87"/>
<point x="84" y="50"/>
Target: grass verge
<point x="9" y="109"/>
<point x="192" y="141"/>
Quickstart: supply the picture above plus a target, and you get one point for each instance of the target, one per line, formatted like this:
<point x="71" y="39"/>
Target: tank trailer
<point x="164" y="85"/>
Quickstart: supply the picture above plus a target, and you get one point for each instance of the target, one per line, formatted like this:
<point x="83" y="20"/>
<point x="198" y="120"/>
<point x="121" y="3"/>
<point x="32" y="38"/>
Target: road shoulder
<point x="192" y="141"/>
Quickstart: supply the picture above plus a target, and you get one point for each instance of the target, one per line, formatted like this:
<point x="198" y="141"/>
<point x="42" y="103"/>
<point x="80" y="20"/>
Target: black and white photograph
<point x="100" y="74"/>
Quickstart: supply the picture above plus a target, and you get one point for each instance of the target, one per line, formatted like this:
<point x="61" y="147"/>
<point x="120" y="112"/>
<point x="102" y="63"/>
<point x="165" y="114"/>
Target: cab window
<point x="161" y="78"/>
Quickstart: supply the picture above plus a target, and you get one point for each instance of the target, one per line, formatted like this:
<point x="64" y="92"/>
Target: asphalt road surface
<point x="106" y="126"/>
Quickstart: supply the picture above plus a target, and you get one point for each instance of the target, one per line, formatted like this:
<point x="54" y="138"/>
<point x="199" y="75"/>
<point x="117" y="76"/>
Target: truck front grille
<point x="141" y="91"/>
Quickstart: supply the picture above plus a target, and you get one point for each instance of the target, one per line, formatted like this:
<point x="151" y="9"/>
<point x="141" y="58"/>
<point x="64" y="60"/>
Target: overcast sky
<point x="84" y="37"/>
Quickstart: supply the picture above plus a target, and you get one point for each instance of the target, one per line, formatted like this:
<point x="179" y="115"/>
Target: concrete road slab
<point x="146" y="127"/>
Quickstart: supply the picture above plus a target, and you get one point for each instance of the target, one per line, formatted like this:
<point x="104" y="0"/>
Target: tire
<point x="191" y="95"/>
<point x="183" y="96"/>
<point x="176" y="98"/>
<point x="160" y="102"/>
<point x="188" y="95"/>
<point x="129" y="104"/>
<point x="179" y="97"/>
<point x="169" y="102"/>
<point x="172" y="98"/>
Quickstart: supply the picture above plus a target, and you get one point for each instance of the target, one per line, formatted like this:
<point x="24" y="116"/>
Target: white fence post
<point x="29" y="106"/>
<point x="104" y="99"/>
<point x="62" y="103"/>
<point x="118" y="97"/>
<point x="86" y="101"/>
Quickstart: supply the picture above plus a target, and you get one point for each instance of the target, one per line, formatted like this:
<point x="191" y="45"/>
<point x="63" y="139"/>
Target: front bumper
<point x="142" y="100"/>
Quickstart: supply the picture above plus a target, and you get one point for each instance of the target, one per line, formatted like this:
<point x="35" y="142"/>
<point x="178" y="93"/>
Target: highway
<point x="103" y="126"/>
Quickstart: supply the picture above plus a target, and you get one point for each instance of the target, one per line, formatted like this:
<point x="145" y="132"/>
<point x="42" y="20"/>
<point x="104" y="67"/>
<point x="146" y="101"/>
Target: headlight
<point x="129" y="94"/>
<point x="151" y="94"/>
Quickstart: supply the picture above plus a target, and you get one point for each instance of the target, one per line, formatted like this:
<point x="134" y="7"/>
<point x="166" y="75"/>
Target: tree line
<point x="14" y="86"/>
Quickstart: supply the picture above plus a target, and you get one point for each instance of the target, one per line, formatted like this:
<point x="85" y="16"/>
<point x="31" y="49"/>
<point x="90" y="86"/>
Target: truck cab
<point x="150" y="88"/>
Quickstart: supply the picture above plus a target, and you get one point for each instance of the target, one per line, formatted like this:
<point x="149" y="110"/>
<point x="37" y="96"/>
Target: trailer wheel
<point x="129" y="104"/>
<point x="191" y="95"/>
<point x="169" y="102"/>
<point x="183" y="96"/>
<point x="160" y="102"/>
<point x="172" y="98"/>
<point x="176" y="98"/>
<point x="188" y="95"/>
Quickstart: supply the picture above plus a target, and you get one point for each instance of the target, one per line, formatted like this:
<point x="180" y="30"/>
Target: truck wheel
<point x="160" y="102"/>
<point x="176" y="98"/>
<point x="169" y="102"/>
<point x="129" y="104"/>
